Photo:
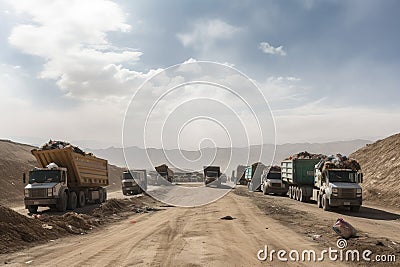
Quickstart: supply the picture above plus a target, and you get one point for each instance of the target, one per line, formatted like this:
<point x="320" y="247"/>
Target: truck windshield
<point x="342" y="176"/>
<point x="212" y="174"/>
<point x="44" y="176"/>
<point x="127" y="175"/>
<point x="163" y="174"/>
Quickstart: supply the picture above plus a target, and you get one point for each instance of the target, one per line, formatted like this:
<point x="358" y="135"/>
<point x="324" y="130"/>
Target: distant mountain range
<point x="227" y="158"/>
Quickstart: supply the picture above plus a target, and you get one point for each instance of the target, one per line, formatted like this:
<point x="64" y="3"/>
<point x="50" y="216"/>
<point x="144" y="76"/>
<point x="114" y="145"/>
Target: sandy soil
<point x="198" y="237"/>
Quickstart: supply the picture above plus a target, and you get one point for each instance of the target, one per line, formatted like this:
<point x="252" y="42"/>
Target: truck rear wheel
<point x="298" y="194"/>
<point x="62" y="202"/>
<point x="104" y="195"/>
<point x="101" y="196"/>
<point x="302" y="197"/>
<point x="81" y="199"/>
<point x="32" y="208"/>
<point x="72" y="201"/>
<point x="325" y="203"/>
<point x="355" y="208"/>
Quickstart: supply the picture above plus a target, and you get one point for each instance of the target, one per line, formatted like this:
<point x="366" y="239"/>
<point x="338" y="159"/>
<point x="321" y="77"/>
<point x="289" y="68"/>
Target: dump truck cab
<point x="338" y="187"/>
<point x="134" y="182"/>
<point x="272" y="181"/>
<point x="212" y="175"/>
<point x="45" y="187"/>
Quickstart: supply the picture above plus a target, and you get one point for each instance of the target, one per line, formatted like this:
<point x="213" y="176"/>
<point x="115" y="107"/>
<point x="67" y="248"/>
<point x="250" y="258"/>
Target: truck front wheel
<point x="32" y="208"/>
<point x="72" y="201"/>
<point x="319" y="205"/>
<point x="62" y="202"/>
<point x="325" y="203"/>
<point x="265" y="189"/>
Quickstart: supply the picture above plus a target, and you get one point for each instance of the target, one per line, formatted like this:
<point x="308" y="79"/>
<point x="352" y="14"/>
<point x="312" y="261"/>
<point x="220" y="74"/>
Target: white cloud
<point x="205" y="33"/>
<point x="269" y="49"/>
<point x="71" y="36"/>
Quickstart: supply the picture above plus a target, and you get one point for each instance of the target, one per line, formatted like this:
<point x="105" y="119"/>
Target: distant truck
<point x="271" y="181"/>
<point x="65" y="179"/>
<point x="312" y="179"/>
<point x="165" y="173"/>
<point x="240" y="179"/>
<point x="212" y="175"/>
<point x="134" y="182"/>
<point x="252" y="175"/>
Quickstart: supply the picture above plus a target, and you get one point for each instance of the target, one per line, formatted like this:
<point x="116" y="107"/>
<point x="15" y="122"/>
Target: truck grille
<point x="347" y="193"/>
<point x="275" y="184"/>
<point x="38" y="192"/>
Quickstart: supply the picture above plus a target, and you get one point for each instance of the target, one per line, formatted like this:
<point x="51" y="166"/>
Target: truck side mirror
<point x="360" y="178"/>
<point x="24" y="178"/>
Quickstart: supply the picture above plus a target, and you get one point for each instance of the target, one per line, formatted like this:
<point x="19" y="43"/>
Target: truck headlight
<point x="49" y="192"/>
<point x="359" y="191"/>
<point x="26" y="192"/>
<point x="334" y="190"/>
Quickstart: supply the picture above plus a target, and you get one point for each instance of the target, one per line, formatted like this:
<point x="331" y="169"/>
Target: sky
<point x="327" y="69"/>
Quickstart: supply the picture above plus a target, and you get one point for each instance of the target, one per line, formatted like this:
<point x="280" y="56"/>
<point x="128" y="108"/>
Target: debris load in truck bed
<point x="306" y="155"/>
<point x="60" y="145"/>
<point x="339" y="161"/>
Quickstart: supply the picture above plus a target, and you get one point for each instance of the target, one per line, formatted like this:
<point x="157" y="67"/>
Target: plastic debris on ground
<point x="344" y="229"/>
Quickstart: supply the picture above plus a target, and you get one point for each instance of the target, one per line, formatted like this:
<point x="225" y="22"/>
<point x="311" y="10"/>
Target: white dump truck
<point x="65" y="179"/>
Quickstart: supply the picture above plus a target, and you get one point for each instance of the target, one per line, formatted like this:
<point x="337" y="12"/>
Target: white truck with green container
<point x="327" y="181"/>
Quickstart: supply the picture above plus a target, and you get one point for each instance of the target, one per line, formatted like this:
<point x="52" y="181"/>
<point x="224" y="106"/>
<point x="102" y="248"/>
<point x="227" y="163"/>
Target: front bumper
<point x="335" y="202"/>
<point x="210" y="180"/>
<point x="276" y="189"/>
<point x="40" y="201"/>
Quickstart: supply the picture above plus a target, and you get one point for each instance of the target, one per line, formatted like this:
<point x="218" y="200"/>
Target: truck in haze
<point x="134" y="182"/>
<point x="323" y="181"/>
<point x="240" y="175"/>
<point x="212" y="175"/>
<point x="252" y="175"/>
<point x="65" y="179"/>
<point x="271" y="181"/>
<point x="167" y="175"/>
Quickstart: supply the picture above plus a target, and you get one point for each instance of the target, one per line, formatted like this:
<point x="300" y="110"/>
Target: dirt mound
<point x="380" y="163"/>
<point x="18" y="231"/>
<point x="14" y="160"/>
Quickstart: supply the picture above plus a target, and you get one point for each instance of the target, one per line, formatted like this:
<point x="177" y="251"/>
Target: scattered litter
<point x="229" y="218"/>
<point x="46" y="226"/>
<point x="344" y="229"/>
<point x="132" y="221"/>
<point x="316" y="237"/>
<point x="30" y="261"/>
<point x="144" y="209"/>
<point x="379" y="243"/>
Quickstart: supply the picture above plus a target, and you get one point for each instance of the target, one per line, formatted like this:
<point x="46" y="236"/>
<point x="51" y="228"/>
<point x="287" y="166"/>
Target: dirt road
<point x="174" y="237"/>
<point x="198" y="237"/>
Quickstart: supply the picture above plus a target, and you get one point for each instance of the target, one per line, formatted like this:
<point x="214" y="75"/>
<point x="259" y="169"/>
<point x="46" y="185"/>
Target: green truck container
<point x="298" y="171"/>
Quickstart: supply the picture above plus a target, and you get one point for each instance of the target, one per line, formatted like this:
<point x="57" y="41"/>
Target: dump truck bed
<point x="298" y="171"/>
<point x="83" y="170"/>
